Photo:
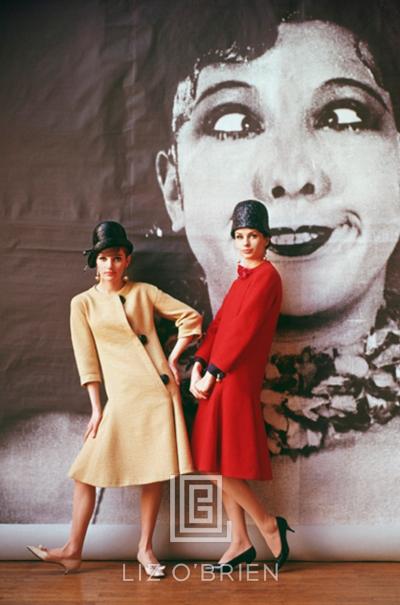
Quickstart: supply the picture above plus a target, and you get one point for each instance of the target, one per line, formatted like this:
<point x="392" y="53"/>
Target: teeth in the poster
<point x="289" y="239"/>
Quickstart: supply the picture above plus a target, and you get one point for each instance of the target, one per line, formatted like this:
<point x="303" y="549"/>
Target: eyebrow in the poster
<point x="351" y="82"/>
<point x="220" y="86"/>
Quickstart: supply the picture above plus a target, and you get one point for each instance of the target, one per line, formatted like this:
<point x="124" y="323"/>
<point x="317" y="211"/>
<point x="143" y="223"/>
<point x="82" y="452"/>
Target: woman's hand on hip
<point x="173" y="366"/>
<point x="93" y="425"/>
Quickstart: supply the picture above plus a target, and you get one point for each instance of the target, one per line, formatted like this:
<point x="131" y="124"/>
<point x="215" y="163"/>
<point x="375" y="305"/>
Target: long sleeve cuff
<point x="85" y="378"/>
<point x="184" y="332"/>
<point x="219" y="374"/>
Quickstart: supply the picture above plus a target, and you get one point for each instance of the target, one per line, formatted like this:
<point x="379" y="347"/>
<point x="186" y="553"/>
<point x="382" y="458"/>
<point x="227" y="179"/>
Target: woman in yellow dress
<point x="139" y="438"/>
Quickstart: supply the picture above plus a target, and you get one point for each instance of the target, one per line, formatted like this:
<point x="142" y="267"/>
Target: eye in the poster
<point x="347" y="114"/>
<point x="231" y="121"/>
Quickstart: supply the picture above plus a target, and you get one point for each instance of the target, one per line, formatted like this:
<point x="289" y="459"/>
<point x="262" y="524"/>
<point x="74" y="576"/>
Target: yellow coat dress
<point x="142" y="436"/>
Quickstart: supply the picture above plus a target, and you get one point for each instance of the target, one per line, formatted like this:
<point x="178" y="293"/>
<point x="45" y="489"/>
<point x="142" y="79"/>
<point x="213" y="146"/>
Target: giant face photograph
<point x="302" y="118"/>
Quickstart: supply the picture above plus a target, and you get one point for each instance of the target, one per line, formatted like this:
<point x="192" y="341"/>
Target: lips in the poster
<point x="307" y="239"/>
<point x="299" y="242"/>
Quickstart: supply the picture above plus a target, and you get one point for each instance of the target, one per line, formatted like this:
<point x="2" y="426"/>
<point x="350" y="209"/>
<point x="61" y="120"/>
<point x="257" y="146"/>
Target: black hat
<point x="107" y="234"/>
<point x="250" y="214"/>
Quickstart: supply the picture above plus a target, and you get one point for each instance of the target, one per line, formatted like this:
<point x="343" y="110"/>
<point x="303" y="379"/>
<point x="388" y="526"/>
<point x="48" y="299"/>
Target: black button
<point x="122" y="298"/>
<point x="143" y="339"/>
<point x="165" y="378"/>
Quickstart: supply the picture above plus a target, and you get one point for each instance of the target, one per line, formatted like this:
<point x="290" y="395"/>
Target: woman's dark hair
<point x="190" y="34"/>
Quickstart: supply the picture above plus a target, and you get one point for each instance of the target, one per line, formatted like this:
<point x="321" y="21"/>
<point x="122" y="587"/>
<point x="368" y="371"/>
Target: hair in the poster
<point x="217" y="31"/>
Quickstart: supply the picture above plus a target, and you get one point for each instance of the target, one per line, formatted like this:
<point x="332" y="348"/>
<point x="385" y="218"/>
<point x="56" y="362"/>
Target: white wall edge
<point x="118" y="542"/>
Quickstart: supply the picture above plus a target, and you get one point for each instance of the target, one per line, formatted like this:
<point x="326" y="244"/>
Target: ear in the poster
<point x="168" y="180"/>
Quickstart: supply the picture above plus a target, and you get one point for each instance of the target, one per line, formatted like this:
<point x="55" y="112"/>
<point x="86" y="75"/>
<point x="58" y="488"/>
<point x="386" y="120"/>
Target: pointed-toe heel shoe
<point x="154" y="570"/>
<point x="283" y="527"/>
<point x="68" y="565"/>
<point x="247" y="556"/>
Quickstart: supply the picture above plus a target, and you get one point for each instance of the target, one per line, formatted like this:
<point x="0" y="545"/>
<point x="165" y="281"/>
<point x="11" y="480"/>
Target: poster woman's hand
<point x="93" y="389"/>
<point x="93" y="425"/>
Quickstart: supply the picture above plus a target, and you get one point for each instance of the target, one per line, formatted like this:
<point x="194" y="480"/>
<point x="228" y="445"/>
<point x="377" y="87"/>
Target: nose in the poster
<point x="290" y="174"/>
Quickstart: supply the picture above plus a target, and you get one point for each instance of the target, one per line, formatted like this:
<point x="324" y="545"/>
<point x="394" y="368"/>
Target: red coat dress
<point x="228" y="435"/>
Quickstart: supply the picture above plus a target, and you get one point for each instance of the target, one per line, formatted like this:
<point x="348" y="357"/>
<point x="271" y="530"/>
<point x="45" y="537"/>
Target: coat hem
<point x="235" y="475"/>
<point x="129" y="482"/>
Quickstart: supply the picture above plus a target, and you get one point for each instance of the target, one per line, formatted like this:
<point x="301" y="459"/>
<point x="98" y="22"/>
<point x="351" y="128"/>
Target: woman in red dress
<point x="228" y="434"/>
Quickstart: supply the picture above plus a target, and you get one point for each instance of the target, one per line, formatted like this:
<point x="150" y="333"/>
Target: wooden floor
<point x="116" y="583"/>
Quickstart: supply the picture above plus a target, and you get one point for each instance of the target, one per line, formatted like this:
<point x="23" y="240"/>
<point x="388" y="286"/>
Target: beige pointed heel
<point x="69" y="565"/>
<point x="154" y="570"/>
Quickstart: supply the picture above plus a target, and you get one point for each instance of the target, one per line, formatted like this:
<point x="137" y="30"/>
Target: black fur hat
<point x="107" y="234"/>
<point x="250" y="214"/>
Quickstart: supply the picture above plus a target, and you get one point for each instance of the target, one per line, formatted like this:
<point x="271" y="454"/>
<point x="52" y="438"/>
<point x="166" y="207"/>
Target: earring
<point x="125" y="278"/>
<point x="97" y="277"/>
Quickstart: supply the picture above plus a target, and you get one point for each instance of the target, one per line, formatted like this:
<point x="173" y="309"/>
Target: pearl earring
<point x="97" y="277"/>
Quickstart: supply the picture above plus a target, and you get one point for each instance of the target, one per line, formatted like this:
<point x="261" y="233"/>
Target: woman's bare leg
<point x="240" y="491"/>
<point x="240" y="538"/>
<point x="83" y="502"/>
<point x="149" y="507"/>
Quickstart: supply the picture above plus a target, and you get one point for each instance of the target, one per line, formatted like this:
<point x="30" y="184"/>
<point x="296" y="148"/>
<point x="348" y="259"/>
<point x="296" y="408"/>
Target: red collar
<point x="244" y="272"/>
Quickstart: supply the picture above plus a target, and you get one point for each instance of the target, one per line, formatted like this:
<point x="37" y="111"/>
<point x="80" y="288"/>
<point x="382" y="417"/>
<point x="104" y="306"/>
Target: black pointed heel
<point x="283" y="527"/>
<point x="247" y="556"/>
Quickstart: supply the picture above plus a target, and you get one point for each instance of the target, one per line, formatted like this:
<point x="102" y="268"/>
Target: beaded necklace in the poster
<point x="314" y="400"/>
